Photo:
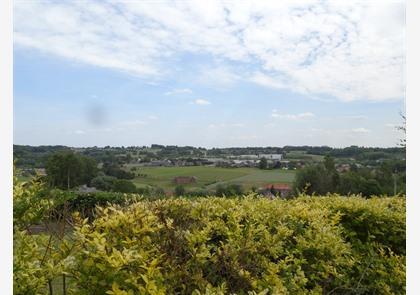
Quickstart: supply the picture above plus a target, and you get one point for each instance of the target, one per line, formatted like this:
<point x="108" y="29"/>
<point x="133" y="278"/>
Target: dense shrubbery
<point x="309" y="245"/>
<point x="331" y="244"/>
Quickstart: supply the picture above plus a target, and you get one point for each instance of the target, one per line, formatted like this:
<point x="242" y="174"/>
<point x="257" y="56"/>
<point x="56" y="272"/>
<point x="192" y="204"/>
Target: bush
<point x="229" y="190"/>
<point x="307" y="245"/>
<point x="104" y="183"/>
<point x="124" y="186"/>
<point x="180" y="190"/>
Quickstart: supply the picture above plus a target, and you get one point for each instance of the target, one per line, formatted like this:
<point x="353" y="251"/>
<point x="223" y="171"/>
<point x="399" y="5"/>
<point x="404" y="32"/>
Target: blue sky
<point x="217" y="75"/>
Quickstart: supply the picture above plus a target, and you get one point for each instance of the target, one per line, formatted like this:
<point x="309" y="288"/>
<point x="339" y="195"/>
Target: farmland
<point x="209" y="177"/>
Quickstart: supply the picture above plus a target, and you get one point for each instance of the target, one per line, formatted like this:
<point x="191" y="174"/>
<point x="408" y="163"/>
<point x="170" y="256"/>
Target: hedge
<point x="310" y="245"/>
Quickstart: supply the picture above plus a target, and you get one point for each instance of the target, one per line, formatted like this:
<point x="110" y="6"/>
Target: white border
<point x="6" y="152"/>
<point x="413" y="147"/>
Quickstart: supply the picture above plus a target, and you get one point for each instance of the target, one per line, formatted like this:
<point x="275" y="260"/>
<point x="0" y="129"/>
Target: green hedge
<point x="322" y="245"/>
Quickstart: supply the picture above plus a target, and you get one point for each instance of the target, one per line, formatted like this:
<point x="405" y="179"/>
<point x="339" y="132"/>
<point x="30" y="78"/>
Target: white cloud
<point x="299" y="116"/>
<point x="391" y="125"/>
<point x="360" y="130"/>
<point x="238" y="125"/>
<point x="178" y="91"/>
<point x="347" y="50"/>
<point x="133" y="123"/>
<point x="80" y="132"/>
<point x="201" y="101"/>
<point x="152" y="117"/>
<point x="356" y="117"/>
<point x="225" y="125"/>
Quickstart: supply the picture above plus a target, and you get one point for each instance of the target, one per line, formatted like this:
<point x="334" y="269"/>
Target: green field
<point x="209" y="177"/>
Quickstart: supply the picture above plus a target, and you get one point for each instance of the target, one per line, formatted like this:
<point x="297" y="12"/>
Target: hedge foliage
<point x="325" y="245"/>
<point x="242" y="245"/>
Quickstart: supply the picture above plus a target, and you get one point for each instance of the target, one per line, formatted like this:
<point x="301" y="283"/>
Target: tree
<point x="319" y="179"/>
<point x="104" y="183"/>
<point x="329" y="163"/>
<point x="89" y="169"/>
<point x="311" y="179"/>
<point x="179" y="190"/>
<point x="263" y="163"/>
<point x="403" y="128"/>
<point x="64" y="170"/>
<point x="67" y="169"/>
<point x="124" y="186"/>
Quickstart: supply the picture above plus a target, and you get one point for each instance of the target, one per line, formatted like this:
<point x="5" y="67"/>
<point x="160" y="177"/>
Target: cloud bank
<point x="347" y="51"/>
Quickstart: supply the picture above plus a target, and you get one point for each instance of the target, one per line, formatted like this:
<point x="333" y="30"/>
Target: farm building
<point x="271" y="156"/>
<point x="185" y="179"/>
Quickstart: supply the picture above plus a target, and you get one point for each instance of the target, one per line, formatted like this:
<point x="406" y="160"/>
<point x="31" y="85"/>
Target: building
<point x="185" y="179"/>
<point x="271" y="156"/>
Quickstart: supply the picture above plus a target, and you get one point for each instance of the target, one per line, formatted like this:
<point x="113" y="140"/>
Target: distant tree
<point x="63" y="169"/>
<point x="263" y="163"/>
<point x="104" y="183"/>
<point x="311" y="179"/>
<point x="229" y="190"/>
<point x="116" y="171"/>
<point x="355" y="183"/>
<point x="67" y="169"/>
<point x="158" y="191"/>
<point x="179" y="190"/>
<point x="277" y="165"/>
<point x="89" y="169"/>
<point x="124" y="186"/>
<point x="403" y="128"/>
<point x="329" y="163"/>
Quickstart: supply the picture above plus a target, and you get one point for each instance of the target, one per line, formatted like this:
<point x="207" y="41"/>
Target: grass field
<point x="209" y="177"/>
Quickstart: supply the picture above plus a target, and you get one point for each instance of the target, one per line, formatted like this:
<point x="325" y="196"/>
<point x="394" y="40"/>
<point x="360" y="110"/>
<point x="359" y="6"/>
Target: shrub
<point x="180" y="190"/>
<point x="104" y="183"/>
<point x="124" y="186"/>
<point x="308" y="245"/>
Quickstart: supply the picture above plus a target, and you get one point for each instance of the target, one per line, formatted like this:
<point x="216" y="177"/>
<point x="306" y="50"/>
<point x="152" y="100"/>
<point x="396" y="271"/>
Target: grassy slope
<point x="210" y="176"/>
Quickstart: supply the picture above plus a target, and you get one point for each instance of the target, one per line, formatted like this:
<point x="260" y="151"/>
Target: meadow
<point x="210" y="177"/>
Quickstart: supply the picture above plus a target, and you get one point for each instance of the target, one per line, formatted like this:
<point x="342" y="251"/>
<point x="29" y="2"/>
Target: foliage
<point x="67" y="169"/>
<point x="124" y="186"/>
<point x="229" y="190"/>
<point x="306" y="245"/>
<point x="31" y="202"/>
<point x="323" y="178"/>
<point x="37" y="258"/>
<point x="247" y="245"/>
<point x="115" y="171"/>
<point x="263" y="163"/>
<point x="103" y="183"/>
<point x="179" y="190"/>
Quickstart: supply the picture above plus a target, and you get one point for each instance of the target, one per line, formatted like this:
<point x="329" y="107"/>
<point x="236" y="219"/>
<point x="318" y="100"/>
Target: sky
<point x="209" y="73"/>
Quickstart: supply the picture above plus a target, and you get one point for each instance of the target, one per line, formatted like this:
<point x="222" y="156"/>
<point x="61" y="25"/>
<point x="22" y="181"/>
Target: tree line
<point x="387" y="179"/>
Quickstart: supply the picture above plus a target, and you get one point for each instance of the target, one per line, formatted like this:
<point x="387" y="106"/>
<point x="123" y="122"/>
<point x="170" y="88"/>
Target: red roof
<point x="278" y="186"/>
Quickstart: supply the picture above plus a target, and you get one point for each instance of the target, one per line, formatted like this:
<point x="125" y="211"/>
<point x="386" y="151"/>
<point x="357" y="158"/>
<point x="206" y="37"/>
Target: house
<point x="271" y="156"/>
<point x="280" y="189"/>
<point x="185" y="179"/>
